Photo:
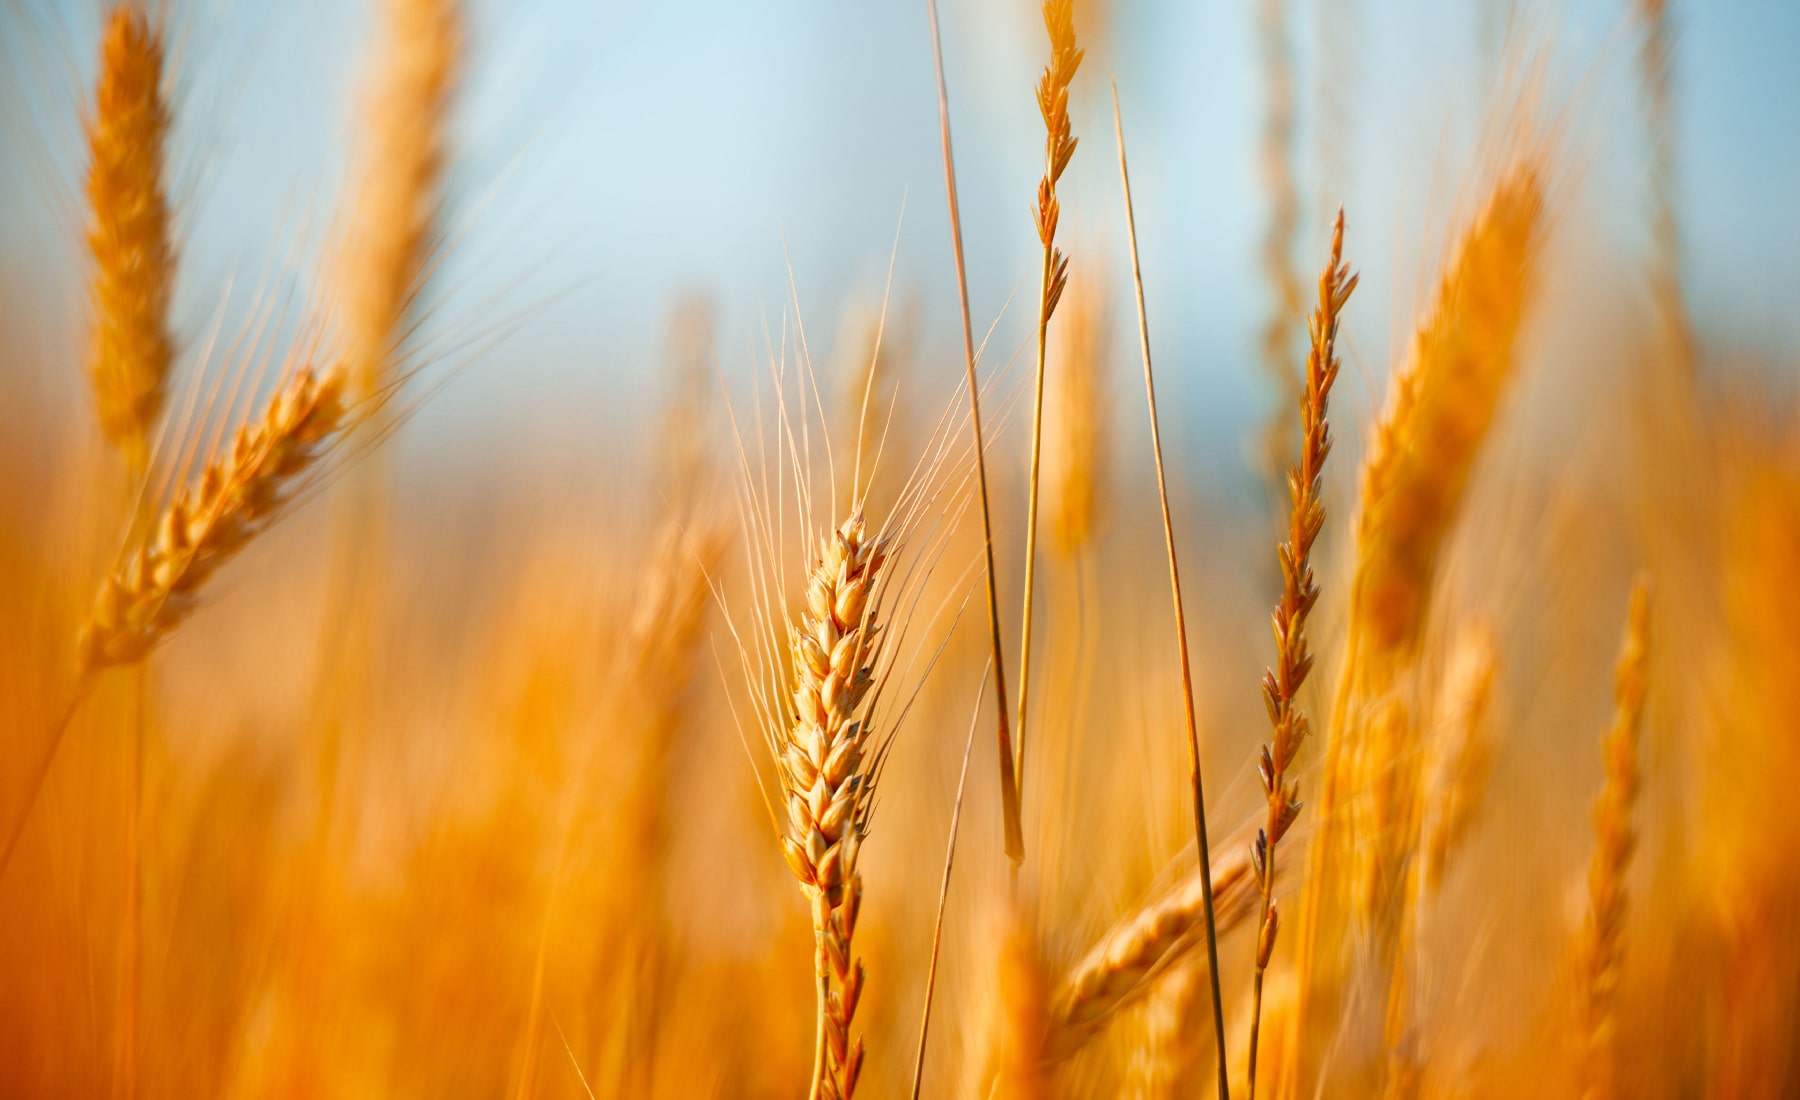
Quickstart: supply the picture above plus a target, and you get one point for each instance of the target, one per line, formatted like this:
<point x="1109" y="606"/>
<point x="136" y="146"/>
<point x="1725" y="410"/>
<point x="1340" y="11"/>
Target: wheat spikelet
<point x="132" y="262"/>
<point x="1281" y="686"/>
<point x="1076" y="408"/>
<point x="389" y="237"/>
<point x="240" y="492"/>
<point x="827" y="761"/>
<point x="1126" y="961"/>
<point x="1602" y="947"/>
<point x="1059" y="147"/>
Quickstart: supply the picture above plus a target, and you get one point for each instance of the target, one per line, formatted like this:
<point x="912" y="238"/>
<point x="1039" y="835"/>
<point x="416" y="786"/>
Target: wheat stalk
<point x="132" y="262"/>
<point x="1012" y="829"/>
<point x="1293" y="660"/>
<point x="1195" y="782"/>
<point x="1602" y="947"/>
<point x="1076" y="460"/>
<point x="1059" y="147"/>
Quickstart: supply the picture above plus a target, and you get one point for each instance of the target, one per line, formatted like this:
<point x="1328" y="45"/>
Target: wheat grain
<point x="132" y="261"/>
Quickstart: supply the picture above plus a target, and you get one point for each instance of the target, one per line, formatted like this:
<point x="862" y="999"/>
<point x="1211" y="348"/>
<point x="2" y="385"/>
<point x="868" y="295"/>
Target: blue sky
<point x="613" y="156"/>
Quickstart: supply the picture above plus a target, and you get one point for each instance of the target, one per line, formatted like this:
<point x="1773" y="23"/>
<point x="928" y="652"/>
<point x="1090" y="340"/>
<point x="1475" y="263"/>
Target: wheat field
<point x="1256" y="582"/>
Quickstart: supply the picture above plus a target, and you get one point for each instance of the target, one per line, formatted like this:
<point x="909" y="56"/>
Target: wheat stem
<point x="937" y="927"/>
<point x="1187" y="676"/>
<point x="1014" y="834"/>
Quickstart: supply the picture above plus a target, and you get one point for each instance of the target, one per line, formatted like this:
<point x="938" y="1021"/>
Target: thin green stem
<point x="1187" y="678"/>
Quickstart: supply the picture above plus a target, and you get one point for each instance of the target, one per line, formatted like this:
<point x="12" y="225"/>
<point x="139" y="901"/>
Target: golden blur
<point x="317" y="780"/>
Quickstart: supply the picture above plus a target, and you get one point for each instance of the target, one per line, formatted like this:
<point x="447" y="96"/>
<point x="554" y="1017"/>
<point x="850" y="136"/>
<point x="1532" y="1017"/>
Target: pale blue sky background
<point x="616" y="155"/>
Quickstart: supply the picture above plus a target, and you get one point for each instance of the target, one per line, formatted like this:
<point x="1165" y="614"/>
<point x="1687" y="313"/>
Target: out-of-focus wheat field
<point x="482" y="483"/>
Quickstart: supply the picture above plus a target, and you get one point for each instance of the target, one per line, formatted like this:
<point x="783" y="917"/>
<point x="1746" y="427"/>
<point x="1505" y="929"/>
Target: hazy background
<point x="615" y="156"/>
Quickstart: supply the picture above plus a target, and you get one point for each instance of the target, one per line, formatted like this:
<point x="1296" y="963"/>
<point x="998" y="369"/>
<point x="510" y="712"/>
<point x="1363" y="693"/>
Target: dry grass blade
<point x="1014" y="833"/>
<point x="1181" y="642"/>
<point x="1059" y="146"/>
<point x="132" y="262"/>
<point x="1126" y="961"/>
<point x="1615" y="838"/>
<point x="1293" y="659"/>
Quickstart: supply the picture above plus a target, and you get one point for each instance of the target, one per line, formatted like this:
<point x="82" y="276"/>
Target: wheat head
<point x="827" y="763"/>
<point x="1615" y="838"/>
<point x="388" y="241"/>
<point x="1125" y="963"/>
<point x="131" y="259"/>
<point x="241" y="490"/>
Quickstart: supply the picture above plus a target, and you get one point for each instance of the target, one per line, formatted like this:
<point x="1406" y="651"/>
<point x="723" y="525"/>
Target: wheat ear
<point x="389" y="239"/>
<point x="1602" y="946"/>
<point x="132" y="262"/>
<point x="1293" y="660"/>
<point x="827" y="761"/>
<point x="1444" y="399"/>
<point x="239" y="493"/>
<point x="1126" y="962"/>
<point x="1059" y="146"/>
